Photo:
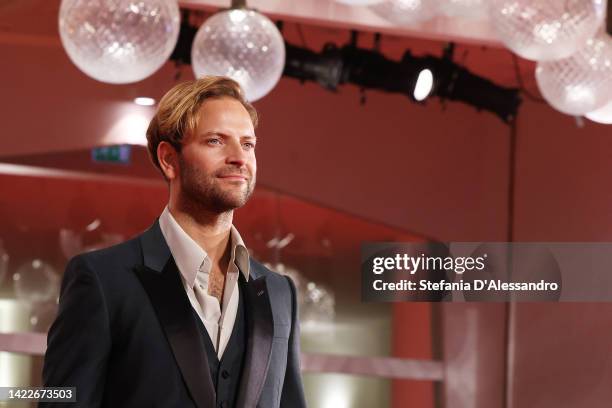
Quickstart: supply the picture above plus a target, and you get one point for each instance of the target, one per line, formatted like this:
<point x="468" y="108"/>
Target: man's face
<point x="217" y="165"/>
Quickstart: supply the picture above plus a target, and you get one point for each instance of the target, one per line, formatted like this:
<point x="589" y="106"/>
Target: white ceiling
<point x="35" y="21"/>
<point x="331" y="13"/>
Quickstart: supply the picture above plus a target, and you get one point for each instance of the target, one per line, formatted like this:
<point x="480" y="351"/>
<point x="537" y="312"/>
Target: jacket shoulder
<point x="127" y="253"/>
<point x="262" y="270"/>
<point x="275" y="280"/>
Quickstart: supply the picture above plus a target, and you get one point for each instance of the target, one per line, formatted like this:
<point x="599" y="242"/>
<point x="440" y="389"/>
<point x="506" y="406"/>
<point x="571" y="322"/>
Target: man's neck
<point x="211" y="231"/>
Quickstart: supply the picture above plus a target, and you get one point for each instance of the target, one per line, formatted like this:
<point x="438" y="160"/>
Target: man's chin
<point x="233" y="201"/>
<point x="222" y="198"/>
<point x="233" y="204"/>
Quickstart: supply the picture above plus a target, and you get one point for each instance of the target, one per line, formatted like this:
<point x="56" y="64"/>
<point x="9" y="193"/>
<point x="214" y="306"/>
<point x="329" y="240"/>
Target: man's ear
<point x="168" y="160"/>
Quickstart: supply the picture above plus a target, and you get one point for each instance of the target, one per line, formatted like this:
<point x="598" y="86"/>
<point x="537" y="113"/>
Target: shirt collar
<point x="240" y="253"/>
<point x="189" y="256"/>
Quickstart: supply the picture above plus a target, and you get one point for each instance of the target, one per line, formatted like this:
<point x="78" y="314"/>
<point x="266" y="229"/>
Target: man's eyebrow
<point x="217" y="132"/>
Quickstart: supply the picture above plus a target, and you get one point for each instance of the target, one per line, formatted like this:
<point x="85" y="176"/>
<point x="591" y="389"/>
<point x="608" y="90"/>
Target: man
<point x="180" y="316"/>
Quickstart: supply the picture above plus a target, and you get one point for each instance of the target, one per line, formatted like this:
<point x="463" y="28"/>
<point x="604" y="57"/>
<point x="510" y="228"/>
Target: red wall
<point x="437" y="172"/>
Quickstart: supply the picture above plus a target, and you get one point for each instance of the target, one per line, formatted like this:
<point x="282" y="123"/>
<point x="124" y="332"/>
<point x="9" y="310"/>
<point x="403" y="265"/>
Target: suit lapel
<point x="260" y="330"/>
<point x="160" y="278"/>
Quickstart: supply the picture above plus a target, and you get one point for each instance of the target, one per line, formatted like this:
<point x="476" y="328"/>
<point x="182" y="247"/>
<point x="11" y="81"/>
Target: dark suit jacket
<point x="125" y="334"/>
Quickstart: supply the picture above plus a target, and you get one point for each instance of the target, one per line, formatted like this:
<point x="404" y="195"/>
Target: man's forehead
<point x="222" y="103"/>
<point x="226" y="116"/>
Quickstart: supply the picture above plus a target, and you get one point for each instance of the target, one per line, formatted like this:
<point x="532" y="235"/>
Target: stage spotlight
<point x="424" y="85"/>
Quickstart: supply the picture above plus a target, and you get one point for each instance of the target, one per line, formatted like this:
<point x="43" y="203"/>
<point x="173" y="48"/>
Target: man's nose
<point x="235" y="154"/>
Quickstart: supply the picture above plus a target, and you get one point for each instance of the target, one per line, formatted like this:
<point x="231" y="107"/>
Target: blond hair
<point x="177" y="113"/>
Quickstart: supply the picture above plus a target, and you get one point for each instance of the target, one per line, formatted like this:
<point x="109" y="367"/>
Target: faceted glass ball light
<point x="602" y="115"/>
<point x="243" y="45"/>
<point x="581" y="83"/>
<point x="119" y="41"/>
<point x="406" y="12"/>
<point x="476" y="9"/>
<point x="543" y="30"/>
<point x="36" y="281"/>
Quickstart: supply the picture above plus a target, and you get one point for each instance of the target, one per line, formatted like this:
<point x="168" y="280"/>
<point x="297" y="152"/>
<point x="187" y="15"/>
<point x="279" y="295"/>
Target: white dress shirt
<point x="195" y="265"/>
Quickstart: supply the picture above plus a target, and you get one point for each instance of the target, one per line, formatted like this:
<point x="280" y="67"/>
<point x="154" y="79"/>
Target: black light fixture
<point x="415" y="77"/>
<point x="418" y="78"/>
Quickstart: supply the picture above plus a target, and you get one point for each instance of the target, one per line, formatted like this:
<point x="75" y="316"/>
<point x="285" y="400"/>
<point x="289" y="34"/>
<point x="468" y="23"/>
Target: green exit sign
<point x="119" y="154"/>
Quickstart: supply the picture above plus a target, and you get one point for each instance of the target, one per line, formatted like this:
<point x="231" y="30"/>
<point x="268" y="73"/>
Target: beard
<point x="206" y="190"/>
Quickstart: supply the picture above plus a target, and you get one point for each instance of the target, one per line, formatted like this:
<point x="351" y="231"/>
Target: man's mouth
<point x="233" y="177"/>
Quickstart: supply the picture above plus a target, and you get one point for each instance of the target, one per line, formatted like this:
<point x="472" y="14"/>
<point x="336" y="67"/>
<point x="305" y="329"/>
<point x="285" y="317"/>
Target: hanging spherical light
<point x="319" y="304"/>
<point x="36" y="281"/>
<point x="581" y="83"/>
<point x="119" y="41"/>
<point x="42" y="315"/>
<point x="243" y="45"/>
<point x="601" y="115"/>
<point x="476" y="9"/>
<point x="543" y="30"/>
<point x="406" y="12"/>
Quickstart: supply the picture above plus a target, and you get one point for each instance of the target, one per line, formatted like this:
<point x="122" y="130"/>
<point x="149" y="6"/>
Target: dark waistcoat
<point x="226" y="373"/>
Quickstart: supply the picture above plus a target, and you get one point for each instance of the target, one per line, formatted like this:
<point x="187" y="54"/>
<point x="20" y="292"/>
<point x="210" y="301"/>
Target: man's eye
<point x="213" y="141"/>
<point x="249" y="145"/>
